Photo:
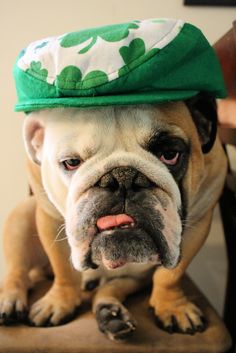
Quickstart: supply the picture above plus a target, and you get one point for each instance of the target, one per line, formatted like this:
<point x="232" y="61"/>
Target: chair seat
<point x="82" y="335"/>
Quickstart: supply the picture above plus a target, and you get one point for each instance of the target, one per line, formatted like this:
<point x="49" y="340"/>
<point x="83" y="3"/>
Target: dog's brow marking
<point x="88" y="152"/>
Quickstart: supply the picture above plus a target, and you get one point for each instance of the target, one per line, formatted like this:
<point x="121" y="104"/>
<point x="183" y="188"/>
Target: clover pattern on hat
<point x="140" y="62"/>
<point x="72" y="62"/>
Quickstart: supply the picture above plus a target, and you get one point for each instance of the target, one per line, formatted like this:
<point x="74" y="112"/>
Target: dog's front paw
<point x="13" y="306"/>
<point x="178" y="314"/>
<point x="58" y="306"/>
<point x="115" y="321"/>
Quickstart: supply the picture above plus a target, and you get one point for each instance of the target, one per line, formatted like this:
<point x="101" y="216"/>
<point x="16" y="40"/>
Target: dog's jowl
<point x="123" y="163"/>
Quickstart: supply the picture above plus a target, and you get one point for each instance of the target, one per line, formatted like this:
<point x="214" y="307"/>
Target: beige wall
<point x="24" y="21"/>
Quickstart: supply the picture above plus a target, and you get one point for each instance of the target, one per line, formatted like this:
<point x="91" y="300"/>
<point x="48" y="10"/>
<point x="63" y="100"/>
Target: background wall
<point x="24" y="21"/>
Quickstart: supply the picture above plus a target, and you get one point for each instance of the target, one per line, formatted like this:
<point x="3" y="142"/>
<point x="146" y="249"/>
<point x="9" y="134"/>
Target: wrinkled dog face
<point x="124" y="162"/>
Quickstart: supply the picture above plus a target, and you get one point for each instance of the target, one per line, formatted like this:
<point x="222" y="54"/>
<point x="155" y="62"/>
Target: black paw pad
<point x="114" y="321"/>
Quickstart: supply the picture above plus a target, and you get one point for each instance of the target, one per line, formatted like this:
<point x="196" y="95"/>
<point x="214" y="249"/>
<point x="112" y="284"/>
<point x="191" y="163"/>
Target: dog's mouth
<point x="120" y="240"/>
<point x="111" y="222"/>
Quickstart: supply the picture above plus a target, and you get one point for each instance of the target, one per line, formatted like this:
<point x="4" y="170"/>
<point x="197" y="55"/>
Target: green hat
<point x="140" y="62"/>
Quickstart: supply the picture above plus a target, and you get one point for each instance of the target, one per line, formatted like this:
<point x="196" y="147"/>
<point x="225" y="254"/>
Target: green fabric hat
<point x="149" y="61"/>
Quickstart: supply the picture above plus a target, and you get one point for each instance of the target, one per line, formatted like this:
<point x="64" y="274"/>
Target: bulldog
<point x="123" y="195"/>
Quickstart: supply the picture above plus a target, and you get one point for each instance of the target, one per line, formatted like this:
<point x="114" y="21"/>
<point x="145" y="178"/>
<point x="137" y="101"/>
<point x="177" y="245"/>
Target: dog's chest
<point x="138" y="271"/>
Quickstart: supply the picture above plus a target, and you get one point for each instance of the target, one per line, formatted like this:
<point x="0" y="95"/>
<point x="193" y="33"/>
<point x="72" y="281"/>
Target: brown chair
<point x="82" y="335"/>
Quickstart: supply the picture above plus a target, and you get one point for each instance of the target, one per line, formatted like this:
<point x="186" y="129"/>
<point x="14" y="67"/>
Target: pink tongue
<point x="113" y="221"/>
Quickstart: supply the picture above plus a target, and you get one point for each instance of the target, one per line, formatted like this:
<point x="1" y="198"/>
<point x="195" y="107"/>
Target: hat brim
<point x="108" y="100"/>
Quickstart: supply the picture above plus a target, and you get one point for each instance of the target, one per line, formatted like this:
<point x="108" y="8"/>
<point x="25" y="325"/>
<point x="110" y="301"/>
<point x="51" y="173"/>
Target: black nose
<point x="124" y="178"/>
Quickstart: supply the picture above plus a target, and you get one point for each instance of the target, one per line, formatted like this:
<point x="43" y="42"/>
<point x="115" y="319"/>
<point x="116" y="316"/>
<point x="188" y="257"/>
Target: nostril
<point x="113" y="185"/>
<point x="109" y="182"/>
<point x="123" y="178"/>
<point x="141" y="181"/>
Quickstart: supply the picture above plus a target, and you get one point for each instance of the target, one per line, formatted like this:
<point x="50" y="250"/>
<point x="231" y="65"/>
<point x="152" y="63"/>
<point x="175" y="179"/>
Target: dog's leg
<point x="112" y="317"/>
<point x="174" y="311"/>
<point x="59" y="303"/>
<point x="19" y="234"/>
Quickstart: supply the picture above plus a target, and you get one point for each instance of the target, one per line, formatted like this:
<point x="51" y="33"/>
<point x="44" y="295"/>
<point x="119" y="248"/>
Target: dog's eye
<point x="170" y="157"/>
<point x="71" y="164"/>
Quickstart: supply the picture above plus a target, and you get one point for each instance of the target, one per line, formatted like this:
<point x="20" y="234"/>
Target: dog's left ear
<point x="204" y="113"/>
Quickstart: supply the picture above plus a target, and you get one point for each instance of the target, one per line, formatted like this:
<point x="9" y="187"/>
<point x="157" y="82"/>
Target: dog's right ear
<point x="33" y="134"/>
<point x="204" y="113"/>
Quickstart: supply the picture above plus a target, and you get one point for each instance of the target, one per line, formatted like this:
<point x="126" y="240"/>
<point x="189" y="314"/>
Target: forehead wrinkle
<point x="88" y="135"/>
<point x="64" y="146"/>
<point x="70" y="145"/>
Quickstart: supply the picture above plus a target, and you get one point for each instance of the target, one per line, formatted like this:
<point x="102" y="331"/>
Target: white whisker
<point x="60" y="239"/>
<point x="60" y="230"/>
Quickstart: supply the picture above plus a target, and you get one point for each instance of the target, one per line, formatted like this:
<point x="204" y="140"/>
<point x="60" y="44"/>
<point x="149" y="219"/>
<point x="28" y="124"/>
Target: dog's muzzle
<point x="122" y="220"/>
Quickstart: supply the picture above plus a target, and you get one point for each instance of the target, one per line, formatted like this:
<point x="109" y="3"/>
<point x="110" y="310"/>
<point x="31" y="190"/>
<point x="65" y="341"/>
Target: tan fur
<point x="203" y="184"/>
